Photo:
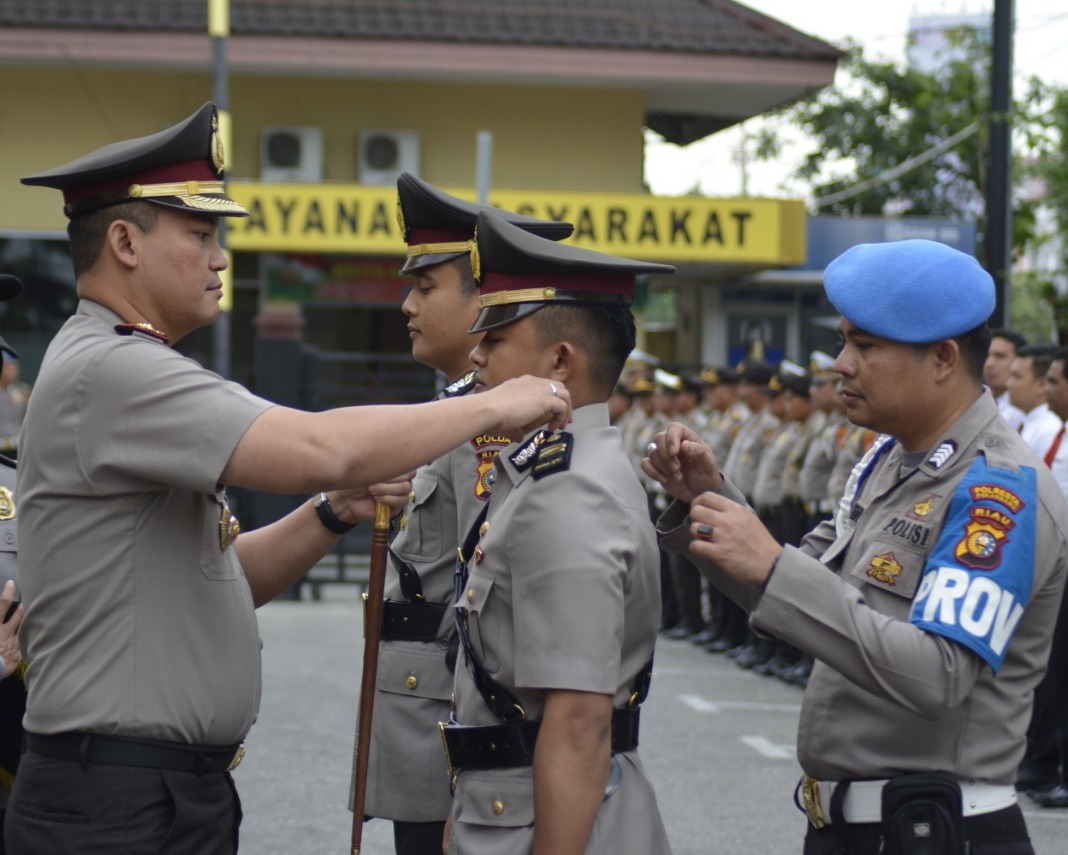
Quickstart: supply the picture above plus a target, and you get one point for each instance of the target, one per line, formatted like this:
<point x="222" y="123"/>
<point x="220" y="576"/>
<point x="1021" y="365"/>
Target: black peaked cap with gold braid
<point x="179" y="167"/>
<point x="520" y="273"/>
<point x="439" y="227"/>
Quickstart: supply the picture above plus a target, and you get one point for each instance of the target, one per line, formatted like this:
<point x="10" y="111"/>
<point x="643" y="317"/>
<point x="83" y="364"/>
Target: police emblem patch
<point x="487" y="448"/>
<point x="984" y="536"/>
<point x="7" y="504"/>
<point x="923" y="508"/>
<point x="885" y="568"/>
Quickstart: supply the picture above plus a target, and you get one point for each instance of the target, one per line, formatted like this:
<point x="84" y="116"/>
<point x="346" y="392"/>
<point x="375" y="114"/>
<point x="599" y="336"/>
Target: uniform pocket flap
<point x="414" y="668"/>
<point x="503" y="802"/>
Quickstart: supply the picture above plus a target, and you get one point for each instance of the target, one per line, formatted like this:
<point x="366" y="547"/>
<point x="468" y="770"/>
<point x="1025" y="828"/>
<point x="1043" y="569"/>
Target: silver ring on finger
<point x="704" y="531"/>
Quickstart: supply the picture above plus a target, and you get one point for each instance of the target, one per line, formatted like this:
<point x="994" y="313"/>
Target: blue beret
<point x="915" y="291"/>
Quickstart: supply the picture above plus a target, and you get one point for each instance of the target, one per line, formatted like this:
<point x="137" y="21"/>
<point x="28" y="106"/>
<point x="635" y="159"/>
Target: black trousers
<point x="418" y="838"/>
<point x="59" y="806"/>
<point x="1001" y="832"/>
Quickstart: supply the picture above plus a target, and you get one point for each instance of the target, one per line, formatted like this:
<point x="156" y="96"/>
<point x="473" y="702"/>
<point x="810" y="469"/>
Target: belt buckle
<point x="445" y="743"/>
<point x="239" y="755"/>
<point x="810" y="801"/>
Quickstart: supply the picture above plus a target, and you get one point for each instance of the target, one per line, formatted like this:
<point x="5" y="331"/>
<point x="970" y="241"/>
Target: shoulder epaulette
<point x="145" y="329"/>
<point x="545" y="453"/>
<point x="7" y="461"/>
<point x="458" y="387"/>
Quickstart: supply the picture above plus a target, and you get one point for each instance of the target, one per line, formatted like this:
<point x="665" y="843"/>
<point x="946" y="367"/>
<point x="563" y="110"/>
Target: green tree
<point x="892" y="139"/>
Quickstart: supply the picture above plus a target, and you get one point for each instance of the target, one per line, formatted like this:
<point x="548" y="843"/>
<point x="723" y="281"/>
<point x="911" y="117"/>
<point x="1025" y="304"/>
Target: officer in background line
<point x="12" y="690"/>
<point x="407" y="781"/>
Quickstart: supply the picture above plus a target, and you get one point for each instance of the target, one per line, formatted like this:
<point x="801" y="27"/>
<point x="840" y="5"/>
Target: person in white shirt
<point x="1027" y="390"/>
<point x="1003" y="346"/>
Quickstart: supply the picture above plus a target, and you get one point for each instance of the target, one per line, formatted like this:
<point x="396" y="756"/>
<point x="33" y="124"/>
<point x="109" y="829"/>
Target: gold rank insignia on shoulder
<point x="7" y="504"/>
<point x="463" y="384"/>
<point x="229" y="528"/>
<point x="554" y="455"/>
<point x="522" y="458"/>
<point x="146" y="328"/>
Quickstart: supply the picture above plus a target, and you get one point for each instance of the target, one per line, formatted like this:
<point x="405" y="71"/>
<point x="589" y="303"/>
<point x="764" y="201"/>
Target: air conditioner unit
<point x="385" y="153"/>
<point x="291" y="154"/>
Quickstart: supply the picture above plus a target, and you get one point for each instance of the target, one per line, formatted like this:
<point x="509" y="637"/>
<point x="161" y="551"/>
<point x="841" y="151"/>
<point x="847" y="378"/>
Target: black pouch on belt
<point x="923" y="815"/>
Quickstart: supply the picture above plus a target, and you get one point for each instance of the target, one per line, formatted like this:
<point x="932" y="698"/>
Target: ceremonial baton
<point x="372" y="634"/>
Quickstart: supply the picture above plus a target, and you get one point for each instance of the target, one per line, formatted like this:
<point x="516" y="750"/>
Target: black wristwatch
<point x="327" y="516"/>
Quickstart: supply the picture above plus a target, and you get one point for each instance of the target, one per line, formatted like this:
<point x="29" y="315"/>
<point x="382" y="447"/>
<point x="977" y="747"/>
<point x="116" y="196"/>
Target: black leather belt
<point x="88" y="748"/>
<point x="508" y="745"/>
<point x="404" y="621"/>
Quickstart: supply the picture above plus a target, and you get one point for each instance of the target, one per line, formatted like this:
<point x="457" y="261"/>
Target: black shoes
<point x="1055" y="797"/>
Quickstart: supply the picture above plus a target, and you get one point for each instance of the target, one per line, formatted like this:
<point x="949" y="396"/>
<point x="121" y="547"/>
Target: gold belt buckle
<point x="239" y="755"/>
<point x="445" y="743"/>
<point x="810" y="800"/>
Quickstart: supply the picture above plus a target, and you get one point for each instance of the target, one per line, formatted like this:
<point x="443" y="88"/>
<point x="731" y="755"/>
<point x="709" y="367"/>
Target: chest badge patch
<point x="985" y="534"/>
<point x="229" y="528"/>
<point x="885" y="568"/>
<point x="923" y="508"/>
<point x="7" y="504"/>
<point x="486" y="450"/>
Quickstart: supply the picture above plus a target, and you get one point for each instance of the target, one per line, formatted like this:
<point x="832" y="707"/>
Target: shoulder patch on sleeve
<point x="979" y="577"/>
<point x="458" y="387"/>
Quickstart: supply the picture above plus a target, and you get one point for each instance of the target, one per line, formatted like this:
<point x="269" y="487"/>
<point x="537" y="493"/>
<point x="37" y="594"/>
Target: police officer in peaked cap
<point x="140" y="637"/>
<point x="407" y="780"/>
<point x="558" y="612"/>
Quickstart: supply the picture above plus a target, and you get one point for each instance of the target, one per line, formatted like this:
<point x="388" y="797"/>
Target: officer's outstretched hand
<point x="524" y="403"/>
<point x="9" y="648"/>
<point x="680" y="460"/>
<point x="733" y="537"/>
<point x="352" y="506"/>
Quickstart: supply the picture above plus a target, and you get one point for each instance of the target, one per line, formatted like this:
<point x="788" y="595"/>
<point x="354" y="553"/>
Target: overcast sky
<point x="1041" y="37"/>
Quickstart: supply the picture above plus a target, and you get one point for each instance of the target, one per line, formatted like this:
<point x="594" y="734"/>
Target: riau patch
<point x="7" y="504"/>
<point x="554" y="455"/>
<point x="979" y="578"/>
<point x="984" y="536"/>
<point x="487" y="448"/>
<point x="885" y="568"/>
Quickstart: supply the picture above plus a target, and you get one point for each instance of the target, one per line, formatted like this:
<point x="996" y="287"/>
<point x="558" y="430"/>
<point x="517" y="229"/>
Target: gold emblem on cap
<point x="400" y="219"/>
<point x="7" y="504"/>
<point x="476" y="259"/>
<point x="218" y="157"/>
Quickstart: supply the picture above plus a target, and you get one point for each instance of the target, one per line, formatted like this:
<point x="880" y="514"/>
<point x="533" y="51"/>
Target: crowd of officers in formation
<point x="781" y="435"/>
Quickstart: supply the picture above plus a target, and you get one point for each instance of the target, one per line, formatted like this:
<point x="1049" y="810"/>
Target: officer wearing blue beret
<point x="929" y="601"/>
<point x="140" y="637"/>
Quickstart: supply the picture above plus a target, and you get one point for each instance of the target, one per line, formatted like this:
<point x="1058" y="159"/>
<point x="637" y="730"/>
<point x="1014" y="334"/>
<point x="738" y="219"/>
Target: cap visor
<point x="222" y="206"/>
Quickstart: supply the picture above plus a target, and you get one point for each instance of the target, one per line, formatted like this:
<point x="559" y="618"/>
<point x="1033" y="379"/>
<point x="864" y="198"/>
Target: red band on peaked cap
<point x="622" y="284"/>
<point x="417" y="236"/>
<point x="192" y="170"/>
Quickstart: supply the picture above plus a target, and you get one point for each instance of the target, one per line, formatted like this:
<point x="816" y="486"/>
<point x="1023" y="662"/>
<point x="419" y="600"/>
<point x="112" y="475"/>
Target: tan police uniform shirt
<point x="743" y="461"/>
<point x="815" y="472"/>
<point x="12" y="691"/>
<point x="139" y="619"/>
<point x="566" y="596"/>
<point x="768" y="485"/>
<point x="930" y="605"/>
<point x="407" y="778"/>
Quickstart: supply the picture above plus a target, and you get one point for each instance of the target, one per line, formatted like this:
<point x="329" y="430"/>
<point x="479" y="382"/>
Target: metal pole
<point x="484" y="165"/>
<point x="219" y="30"/>
<point x="998" y="238"/>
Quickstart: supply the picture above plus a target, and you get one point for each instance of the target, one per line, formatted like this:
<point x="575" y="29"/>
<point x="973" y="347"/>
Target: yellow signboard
<point x="357" y="219"/>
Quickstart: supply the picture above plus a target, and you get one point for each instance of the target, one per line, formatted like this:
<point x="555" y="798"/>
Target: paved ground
<point x="718" y="742"/>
